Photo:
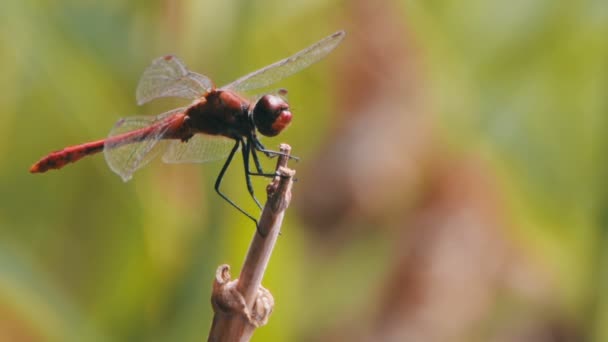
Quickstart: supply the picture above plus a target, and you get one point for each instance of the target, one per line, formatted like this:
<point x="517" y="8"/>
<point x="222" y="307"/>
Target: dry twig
<point x="243" y="304"/>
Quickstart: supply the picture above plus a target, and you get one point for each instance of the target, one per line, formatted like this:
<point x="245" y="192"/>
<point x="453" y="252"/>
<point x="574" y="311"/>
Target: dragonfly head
<point x="271" y="115"/>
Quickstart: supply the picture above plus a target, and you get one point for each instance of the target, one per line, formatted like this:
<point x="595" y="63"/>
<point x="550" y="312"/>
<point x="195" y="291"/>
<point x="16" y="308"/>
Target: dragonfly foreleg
<point x="271" y="153"/>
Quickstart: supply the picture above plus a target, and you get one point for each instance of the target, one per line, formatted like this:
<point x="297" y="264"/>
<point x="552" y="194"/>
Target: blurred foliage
<point x="84" y="256"/>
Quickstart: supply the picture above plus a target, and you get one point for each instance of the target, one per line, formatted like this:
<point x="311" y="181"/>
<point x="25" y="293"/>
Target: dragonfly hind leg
<point x="220" y="177"/>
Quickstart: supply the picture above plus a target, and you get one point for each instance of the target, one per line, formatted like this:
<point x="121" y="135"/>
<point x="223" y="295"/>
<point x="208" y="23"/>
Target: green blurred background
<point x="451" y="185"/>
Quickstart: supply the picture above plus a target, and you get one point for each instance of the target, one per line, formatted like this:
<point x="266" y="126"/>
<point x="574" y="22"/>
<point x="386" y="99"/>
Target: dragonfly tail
<point x="59" y="159"/>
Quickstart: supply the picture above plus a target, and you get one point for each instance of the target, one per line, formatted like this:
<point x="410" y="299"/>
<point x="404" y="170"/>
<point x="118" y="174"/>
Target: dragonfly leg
<point x="270" y="153"/>
<point x="246" y="151"/>
<point x="218" y="182"/>
<point x="256" y="160"/>
<point x="258" y="166"/>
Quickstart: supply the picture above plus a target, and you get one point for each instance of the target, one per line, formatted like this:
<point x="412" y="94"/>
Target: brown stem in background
<point x="243" y="304"/>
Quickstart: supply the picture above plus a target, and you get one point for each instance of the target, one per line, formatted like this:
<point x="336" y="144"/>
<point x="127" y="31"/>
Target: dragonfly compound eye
<point x="271" y="115"/>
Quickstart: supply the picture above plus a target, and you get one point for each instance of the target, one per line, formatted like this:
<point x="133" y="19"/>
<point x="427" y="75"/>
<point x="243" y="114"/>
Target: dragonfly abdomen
<point x="59" y="159"/>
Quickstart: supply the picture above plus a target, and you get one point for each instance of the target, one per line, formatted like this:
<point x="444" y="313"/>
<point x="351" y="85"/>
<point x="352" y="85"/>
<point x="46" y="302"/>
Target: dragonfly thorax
<point x="271" y="115"/>
<point x="220" y="113"/>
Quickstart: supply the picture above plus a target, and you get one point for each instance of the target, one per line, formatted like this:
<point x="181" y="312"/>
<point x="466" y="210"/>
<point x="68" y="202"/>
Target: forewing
<point x="288" y="66"/>
<point x="168" y="76"/>
<point x="200" y="148"/>
<point x="126" y="158"/>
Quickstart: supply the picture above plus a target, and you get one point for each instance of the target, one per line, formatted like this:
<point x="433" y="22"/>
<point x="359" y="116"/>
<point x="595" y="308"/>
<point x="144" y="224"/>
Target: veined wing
<point x="288" y="66"/>
<point x="201" y="148"/>
<point x="134" y="141"/>
<point x="168" y="76"/>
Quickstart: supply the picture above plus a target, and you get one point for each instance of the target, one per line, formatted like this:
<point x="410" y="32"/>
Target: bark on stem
<point x="243" y="304"/>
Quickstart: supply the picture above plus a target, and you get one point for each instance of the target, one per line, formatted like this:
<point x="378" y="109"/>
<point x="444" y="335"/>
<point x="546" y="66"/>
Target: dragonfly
<point x="218" y="123"/>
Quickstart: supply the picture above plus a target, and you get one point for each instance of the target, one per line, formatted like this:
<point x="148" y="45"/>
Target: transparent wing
<point x="201" y="148"/>
<point x="168" y="76"/>
<point x="134" y="141"/>
<point x="288" y="66"/>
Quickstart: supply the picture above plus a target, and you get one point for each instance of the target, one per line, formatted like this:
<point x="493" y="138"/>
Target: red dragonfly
<point x="214" y="126"/>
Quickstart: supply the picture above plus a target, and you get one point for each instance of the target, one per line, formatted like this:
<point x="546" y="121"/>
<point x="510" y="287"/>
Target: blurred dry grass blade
<point x="451" y="254"/>
<point x="375" y="155"/>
